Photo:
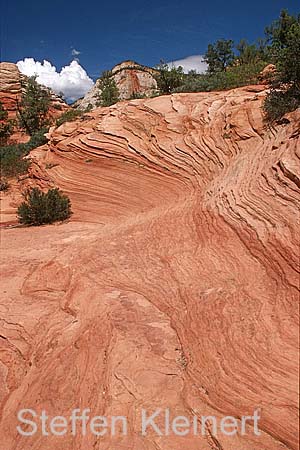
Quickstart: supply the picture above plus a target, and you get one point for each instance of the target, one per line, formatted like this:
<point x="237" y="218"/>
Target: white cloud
<point x="194" y="62"/>
<point x="75" y="52"/>
<point x="72" y="80"/>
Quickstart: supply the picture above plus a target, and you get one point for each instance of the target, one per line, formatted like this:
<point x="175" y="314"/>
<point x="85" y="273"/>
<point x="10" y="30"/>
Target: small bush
<point x="6" y="130"/>
<point x="88" y="108"/>
<point x="3" y="185"/>
<point x="233" y="77"/>
<point x="43" y="208"/>
<point x="69" y="116"/>
<point x="57" y="106"/>
<point x="280" y="102"/>
<point x="137" y="95"/>
<point x="12" y="156"/>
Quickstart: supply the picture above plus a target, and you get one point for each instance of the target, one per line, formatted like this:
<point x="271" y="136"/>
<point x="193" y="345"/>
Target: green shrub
<point x="284" y="95"/>
<point x="12" y="162"/>
<point x="88" y="108"/>
<point x="3" y="112"/>
<point x="108" y="91"/>
<point x="6" y="129"/>
<point x="3" y="185"/>
<point x="57" y="106"/>
<point x="233" y="77"/>
<point x="280" y="102"/>
<point x="41" y="208"/>
<point x="69" y="116"/>
<point x="137" y="95"/>
<point x="6" y="125"/>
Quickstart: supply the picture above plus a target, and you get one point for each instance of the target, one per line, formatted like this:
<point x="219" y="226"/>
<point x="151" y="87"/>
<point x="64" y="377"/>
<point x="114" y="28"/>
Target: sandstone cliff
<point x="176" y="283"/>
<point x="131" y="79"/>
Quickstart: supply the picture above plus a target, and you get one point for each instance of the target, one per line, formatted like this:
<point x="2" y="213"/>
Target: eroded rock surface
<point x="175" y="284"/>
<point x="131" y="79"/>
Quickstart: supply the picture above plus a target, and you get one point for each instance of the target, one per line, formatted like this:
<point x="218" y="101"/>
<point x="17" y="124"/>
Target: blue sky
<point x="107" y="32"/>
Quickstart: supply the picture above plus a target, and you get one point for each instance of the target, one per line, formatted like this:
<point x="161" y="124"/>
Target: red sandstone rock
<point x="176" y="283"/>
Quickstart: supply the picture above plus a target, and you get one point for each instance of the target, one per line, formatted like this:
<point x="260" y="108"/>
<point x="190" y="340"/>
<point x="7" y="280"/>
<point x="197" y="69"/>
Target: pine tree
<point x="34" y="106"/>
<point x="169" y="78"/>
<point x="108" y="91"/>
<point x="219" y="55"/>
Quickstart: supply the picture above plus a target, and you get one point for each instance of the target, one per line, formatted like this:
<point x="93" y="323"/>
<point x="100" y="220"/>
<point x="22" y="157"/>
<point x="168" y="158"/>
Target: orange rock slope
<point x="175" y="284"/>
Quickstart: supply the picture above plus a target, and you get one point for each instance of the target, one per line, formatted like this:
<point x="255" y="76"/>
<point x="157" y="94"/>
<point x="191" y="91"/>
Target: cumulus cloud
<point x="194" y="62"/>
<point x="72" y="80"/>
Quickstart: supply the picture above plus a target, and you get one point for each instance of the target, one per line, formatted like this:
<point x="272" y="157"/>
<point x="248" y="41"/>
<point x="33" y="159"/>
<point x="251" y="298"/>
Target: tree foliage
<point x="168" y="78"/>
<point x="251" y="53"/>
<point x="34" y="106"/>
<point x="6" y="126"/>
<point x="219" y="55"/>
<point x="277" y="33"/>
<point x="3" y="112"/>
<point x="108" y="90"/>
<point x="12" y="156"/>
<point x="41" y="208"/>
<point x="69" y="116"/>
<point x="234" y="76"/>
<point x="284" y="37"/>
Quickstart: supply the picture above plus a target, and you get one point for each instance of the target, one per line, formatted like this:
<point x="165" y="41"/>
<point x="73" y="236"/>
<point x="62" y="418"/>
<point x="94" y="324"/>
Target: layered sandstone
<point x="175" y="284"/>
<point x="132" y="79"/>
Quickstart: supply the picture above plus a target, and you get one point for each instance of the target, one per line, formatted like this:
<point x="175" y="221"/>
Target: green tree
<point x="248" y="53"/>
<point x="284" y="95"/>
<point x="169" y="78"/>
<point x="3" y="112"/>
<point x="34" y="106"/>
<point x="6" y="130"/>
<point x="277" y="32"/>
<point x="108" y="90"/>
<point x="289" y="60"/>
<point x="219" y="55"/>
<point x="41" y="208"/>
<point x="6" y="126"/>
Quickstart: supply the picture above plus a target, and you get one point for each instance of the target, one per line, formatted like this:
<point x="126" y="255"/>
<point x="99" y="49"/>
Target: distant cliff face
<point x="11" y="92"/>
<point x="131" y="79"/>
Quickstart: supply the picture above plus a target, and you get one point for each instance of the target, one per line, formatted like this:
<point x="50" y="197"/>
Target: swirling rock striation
<point x="175" y="284"/>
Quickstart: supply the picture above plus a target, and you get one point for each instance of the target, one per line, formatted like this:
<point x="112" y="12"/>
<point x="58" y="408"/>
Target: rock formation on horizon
<point x="174" y="285"/>
<point x="131" y="79"/>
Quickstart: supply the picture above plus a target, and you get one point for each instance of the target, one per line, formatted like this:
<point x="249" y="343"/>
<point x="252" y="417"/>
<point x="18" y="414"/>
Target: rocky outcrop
<point x="131" y="79"/>
<point x="11" y="91"/>
<point x="176" y="283"/>
<point x="267" y="74"/>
